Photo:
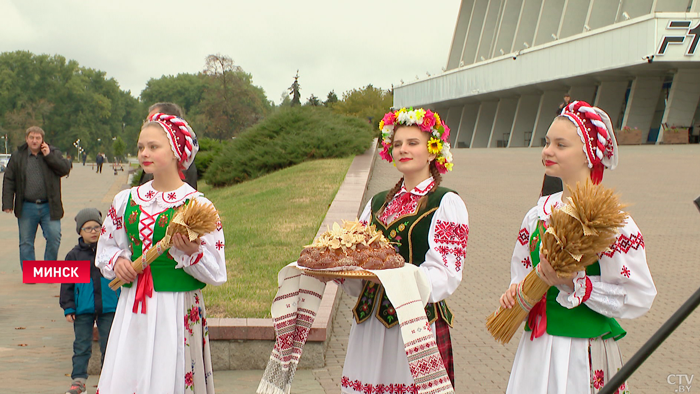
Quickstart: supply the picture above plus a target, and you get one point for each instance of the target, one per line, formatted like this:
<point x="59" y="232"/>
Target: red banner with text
<point x="47" y="271"/>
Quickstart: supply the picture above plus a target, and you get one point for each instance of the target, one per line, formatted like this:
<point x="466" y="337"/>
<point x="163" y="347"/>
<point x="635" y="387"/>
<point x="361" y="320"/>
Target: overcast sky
<point x="336" y="45"/>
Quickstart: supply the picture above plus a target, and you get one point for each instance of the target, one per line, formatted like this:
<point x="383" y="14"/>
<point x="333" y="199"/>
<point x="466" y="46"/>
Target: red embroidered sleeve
<point x="523" y="236"/>
<point x="623" y="244"/>
<point x="451" y="239"/>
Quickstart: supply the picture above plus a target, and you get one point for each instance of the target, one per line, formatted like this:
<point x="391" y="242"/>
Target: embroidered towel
<point x="408" y="290"/>
<point x="293" y="312"/>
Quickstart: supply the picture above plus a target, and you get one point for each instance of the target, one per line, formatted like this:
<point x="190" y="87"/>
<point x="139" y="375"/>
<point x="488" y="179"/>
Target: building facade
<point x="512" y="61"/>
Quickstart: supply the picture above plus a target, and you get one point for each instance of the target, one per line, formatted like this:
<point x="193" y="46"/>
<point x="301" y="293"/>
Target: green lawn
<point x="266" y="223"/>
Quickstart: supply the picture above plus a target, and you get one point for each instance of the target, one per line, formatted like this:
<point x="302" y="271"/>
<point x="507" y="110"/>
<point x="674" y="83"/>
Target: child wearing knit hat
<point x="85" y="303"/>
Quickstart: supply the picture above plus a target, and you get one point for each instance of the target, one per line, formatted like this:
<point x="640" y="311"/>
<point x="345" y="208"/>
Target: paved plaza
<point x="499" y="186"/>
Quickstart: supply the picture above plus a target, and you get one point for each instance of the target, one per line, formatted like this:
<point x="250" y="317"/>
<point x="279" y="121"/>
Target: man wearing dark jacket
<point x="99" y="160"/>
<point x="32" y="188"/>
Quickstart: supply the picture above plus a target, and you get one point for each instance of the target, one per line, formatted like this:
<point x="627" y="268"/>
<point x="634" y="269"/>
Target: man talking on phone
<point x="32" y="189"/>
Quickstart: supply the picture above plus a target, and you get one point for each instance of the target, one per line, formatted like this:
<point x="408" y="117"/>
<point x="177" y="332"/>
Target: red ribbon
<point x="144" y="289"/>
<point x="537" y="319"/>
<point x="405" y="199"/>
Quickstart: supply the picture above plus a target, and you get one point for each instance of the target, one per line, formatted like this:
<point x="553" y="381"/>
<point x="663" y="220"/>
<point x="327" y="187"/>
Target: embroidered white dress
<point x="376" y="358"/>
<point x="553" y="364"/>
<point x="166" y="349"/>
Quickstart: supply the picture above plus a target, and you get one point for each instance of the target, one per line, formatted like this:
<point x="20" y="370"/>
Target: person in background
<point x="32" y="189"/>
<point x="567" y="100"/>
<point x="99" y="160"/>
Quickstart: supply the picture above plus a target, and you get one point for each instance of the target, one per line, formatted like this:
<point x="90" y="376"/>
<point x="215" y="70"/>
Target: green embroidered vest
<point x="410" y="234"/>
<point x="165" y="276"/>
<point x="578" y="322"/>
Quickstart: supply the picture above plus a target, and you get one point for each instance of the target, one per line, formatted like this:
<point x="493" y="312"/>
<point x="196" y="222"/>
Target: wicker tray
<point x="359" y="274"/>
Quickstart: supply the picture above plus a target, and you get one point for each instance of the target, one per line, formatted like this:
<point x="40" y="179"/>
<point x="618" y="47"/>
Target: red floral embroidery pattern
<point x="625" y="271"/>
<point x="192" y="317"/>
<point x="623" y="244"/>
<point x="104" y="230"/>
<point x="524" y="236"/>
<point x="163" y="220"/>
<point x="219" y="226"/>
<point x="449" y="233"/>
<point x="150" y="194"/>
<point x="189" y="380"/>
<point x="598" y="379"/>
<point x="368" y="388"/>
<point x="526" y="262"/>
<point x="172" y="196"/>
<point x="405" y="204"/>
<point x="622" y="389"/>
<point x="219" y="245"/>
<point x="118" y="222"/>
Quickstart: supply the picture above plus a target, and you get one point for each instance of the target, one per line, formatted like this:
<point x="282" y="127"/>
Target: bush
<point x="288" y="137"/>
<point x="208" y="149"/>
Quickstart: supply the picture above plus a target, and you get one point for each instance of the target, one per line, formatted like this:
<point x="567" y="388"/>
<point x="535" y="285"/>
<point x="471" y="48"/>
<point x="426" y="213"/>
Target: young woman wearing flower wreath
<point x="158" y="342"/>
<point x="569" y="344"/>
<point x="429" y="225"/>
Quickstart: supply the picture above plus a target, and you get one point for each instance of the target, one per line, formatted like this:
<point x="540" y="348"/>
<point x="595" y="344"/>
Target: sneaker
<point x="77" y="387"/>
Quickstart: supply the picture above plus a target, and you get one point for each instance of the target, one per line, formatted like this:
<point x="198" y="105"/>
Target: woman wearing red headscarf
<point x="570" y="341"/>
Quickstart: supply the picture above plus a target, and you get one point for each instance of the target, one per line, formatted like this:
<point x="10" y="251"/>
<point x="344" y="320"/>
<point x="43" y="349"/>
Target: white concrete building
<point x="512" y="61"/>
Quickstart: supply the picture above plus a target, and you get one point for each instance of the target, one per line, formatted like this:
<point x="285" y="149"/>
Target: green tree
<point x="185" y="90"/>
<point x="285" y="101"/>
<point x="365" y="103"/>
<point x="68" y="101"/>
<point x="231" y="102"/>
<point x="331" y="99"/>
<point x="313" y="101"/>
<point x="118" y="148"/>
<point x="295" y="91"/>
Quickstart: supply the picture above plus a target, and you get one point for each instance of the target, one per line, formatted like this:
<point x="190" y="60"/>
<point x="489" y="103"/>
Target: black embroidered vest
<point x="409" y="233"/>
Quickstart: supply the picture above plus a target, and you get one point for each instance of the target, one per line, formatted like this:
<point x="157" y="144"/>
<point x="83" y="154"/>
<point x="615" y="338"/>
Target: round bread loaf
<point x="374" y="257"/>
<point x="353" y="244"/>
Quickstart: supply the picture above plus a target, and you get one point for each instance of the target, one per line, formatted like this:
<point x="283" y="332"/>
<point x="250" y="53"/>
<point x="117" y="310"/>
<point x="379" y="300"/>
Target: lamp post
<point x="76" y="144"/>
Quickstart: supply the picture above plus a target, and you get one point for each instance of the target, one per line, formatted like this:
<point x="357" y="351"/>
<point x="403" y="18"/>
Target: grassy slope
<point x="266" y="223"/>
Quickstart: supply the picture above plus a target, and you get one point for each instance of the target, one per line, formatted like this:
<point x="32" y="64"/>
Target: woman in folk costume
<point x="429" y="225"/>
<point x="158" y="343"/>
<point x="569" y="344"/>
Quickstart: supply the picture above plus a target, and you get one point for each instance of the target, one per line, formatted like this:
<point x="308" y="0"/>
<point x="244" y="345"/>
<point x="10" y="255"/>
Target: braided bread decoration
<point x="595" y="129"/>
<point x="183" y="140"/>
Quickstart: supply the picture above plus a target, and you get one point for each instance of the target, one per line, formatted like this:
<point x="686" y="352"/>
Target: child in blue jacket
<point x="85" y="303"/>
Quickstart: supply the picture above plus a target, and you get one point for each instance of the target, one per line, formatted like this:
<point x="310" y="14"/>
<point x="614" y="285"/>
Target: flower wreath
<point x="428" y="121"/>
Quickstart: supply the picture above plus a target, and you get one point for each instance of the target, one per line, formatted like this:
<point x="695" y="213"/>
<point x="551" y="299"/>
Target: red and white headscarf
<point x="595" y="129"/>
<point x="183" y="140"/>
